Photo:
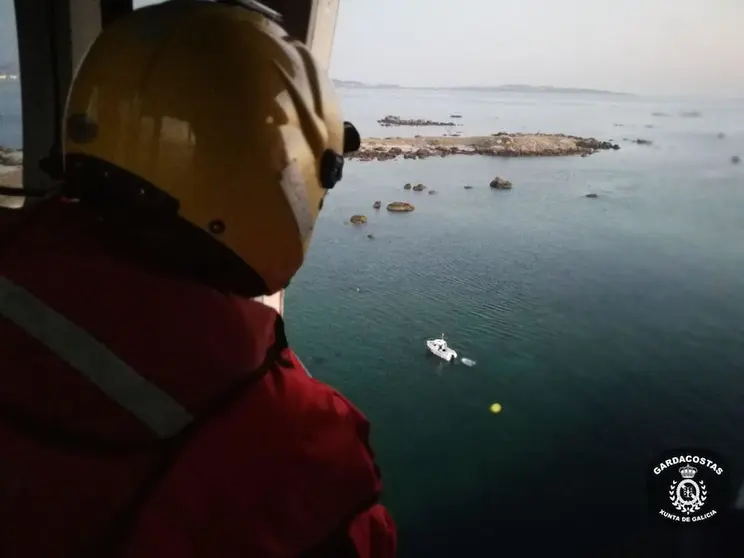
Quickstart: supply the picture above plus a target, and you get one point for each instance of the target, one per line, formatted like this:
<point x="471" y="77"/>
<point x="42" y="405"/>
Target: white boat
<point x="440" y="348"/>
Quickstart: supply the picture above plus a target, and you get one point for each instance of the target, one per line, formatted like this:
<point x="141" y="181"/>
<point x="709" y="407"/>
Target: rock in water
<point x="400" y="207"/>
<point x="377" y="205"/>
<point x="500" y="183"/>
<point x="358" y="219"/>
<point x="408" y="186"/>
<point x="592" y="196"/>
<point x="419" y="188"/>
<point x="736" y="159"/>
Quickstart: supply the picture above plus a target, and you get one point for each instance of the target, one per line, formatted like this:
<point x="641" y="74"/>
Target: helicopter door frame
<point x="44" y="59"/>
<point x="322" y="29"/>
<point x="53" y="36"/>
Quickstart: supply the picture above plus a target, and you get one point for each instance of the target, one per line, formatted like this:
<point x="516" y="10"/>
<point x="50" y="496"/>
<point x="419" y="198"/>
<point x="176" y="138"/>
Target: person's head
<point x="203" y="135"/>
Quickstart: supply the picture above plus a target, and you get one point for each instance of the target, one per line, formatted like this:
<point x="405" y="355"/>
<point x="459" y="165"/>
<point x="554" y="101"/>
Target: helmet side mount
<point x="332" y="163"/>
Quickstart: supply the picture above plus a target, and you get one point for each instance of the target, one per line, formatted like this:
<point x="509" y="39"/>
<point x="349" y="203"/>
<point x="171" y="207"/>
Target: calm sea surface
<point x="609" y="329"/>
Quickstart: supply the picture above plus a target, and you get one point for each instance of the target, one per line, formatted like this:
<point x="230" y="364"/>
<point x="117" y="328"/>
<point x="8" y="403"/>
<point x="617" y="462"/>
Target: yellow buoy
<point x="496" y="408"/>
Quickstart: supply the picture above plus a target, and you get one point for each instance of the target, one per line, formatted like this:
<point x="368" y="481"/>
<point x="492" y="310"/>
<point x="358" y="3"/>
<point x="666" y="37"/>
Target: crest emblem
<point x="688" y="486"/>
<point x="688" y="495"/>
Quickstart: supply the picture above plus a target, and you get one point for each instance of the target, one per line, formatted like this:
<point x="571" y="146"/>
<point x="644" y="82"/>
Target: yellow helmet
<point x="211" y="107"/>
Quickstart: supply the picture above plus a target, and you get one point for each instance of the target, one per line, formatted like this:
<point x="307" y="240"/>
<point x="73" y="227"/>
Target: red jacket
<point x="144" y="415"/>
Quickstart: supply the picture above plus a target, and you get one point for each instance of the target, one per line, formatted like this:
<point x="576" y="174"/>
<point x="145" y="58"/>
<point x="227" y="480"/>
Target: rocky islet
<point x="501" y="144"/>
<point x="392" y="120"/>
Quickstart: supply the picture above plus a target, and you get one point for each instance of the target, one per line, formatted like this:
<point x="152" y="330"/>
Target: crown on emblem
<point x="687" y="471"/>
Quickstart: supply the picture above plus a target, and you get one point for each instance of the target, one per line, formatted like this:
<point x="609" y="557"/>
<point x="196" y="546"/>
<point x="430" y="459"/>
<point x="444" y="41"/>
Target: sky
<point x="693" y="47"/>
<point x="643" y="46"/>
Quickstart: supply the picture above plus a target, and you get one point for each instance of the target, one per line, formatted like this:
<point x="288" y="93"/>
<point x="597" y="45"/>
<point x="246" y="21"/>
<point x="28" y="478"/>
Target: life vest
<point x="144" y="415"/>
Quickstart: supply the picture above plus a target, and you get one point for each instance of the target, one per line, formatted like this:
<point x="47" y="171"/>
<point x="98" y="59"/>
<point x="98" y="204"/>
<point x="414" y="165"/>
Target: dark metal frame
<point x="44" y="54"/>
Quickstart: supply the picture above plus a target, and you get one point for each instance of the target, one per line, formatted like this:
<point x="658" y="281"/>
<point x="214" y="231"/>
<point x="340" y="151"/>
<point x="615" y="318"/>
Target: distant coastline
<point x="507" y="88"/>
<point x="8" y="68"/>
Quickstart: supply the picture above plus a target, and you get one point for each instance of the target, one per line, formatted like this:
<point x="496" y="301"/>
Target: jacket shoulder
<point x="275" y="474"/>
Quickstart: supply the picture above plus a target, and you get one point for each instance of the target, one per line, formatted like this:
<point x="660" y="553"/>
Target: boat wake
<point x="467" y="361"/>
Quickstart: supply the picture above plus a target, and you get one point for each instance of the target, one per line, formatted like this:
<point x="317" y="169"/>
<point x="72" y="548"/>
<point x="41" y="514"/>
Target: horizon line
<point x="695" y="95"/>
<point x="471" y="86"/>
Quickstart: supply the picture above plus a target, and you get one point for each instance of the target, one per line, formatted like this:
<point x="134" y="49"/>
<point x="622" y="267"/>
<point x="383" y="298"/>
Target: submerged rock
<point x="736" y="159"/>
<point x="591" y="196"/>
<point x="595" y="144"/>
<point x="419" y="188"/>
<point x="408" y="186"/>
<point x="400" y="207"/>
<point x="432" y="192"/>
<point x="358" y="219"/>
<point x="377" y="205"/>
<point x="468" y="187"/>
<point x="371" y="236"/>
<point x="641" y="141"/>
<point x="500" y="183"/>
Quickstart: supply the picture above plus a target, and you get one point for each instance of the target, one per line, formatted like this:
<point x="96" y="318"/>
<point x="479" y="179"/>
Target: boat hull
<point x="447" y="354"/>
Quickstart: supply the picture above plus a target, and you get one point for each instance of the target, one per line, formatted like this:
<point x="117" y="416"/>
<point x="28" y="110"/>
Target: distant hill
<point x="516" y="88"/>
<point x="360" y="85"/>
<point x="8" y="68"/>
